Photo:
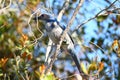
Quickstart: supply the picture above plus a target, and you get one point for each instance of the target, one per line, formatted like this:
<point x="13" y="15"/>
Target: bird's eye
<point x="42" y="15"/>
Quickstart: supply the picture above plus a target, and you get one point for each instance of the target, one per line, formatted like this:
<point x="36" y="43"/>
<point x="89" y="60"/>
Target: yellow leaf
<point x="20" y="1"/>
<point x="49" y="76"/>
<point x="92" y="67"/>
<point x="118" y="52"/>
<point x="83" y="68"/>
<point x="42" y="69"/>
<point x="115" y="45"/>
<point x="37" y="73"/>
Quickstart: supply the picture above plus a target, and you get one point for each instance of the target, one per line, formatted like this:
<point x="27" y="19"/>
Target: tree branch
<point x="3" y="9"/>
<point x="98" y="14"/>
<point x="65" y="6"/>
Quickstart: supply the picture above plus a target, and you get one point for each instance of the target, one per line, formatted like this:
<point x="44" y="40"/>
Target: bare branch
<point x="3" y="9"/>
<point x="97" y="47"/>
<point x="98" y="14"/>
<point x="74" y="75"/>
<point x="37" y="24"/>
<point x="47" y="59"/>
<point x="29" y="25"/>
<point x="65" y="6"/>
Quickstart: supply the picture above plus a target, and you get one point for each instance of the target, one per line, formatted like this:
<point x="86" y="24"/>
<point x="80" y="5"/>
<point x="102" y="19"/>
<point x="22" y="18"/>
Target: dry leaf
<point x="3" y="62"/>
<point x="101" y="66"/>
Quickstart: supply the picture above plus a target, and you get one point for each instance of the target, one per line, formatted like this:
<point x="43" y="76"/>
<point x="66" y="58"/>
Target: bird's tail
<point x="74" y="57"/>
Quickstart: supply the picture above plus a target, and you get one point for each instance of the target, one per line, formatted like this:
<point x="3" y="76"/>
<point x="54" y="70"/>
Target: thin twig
<point x="98" y="14"/>
<point x="39" y="29"/>
<point x="30" y="25"/>
<point x="90" y="49"/>
<point x="74" y="75"/>
<point x="1" y="10"/>
<point x="101" y="49"/>
<point x="65" y="6"/>
<point x="97" y="46"/>
<point x="22" y="76"/>
<point x="19" y="6"/>
<point x="96" y="5"/>
<point x="2" y="3"/>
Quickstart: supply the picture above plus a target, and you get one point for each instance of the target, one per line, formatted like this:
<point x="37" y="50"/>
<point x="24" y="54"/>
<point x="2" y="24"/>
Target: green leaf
<point x="49" y="76"/>
<point x="101" y="18"/>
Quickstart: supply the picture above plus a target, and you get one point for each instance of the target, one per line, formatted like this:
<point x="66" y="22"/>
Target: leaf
<point x="92" y="67"/>
<point x="3" y="62"/>
<point x="49" y="76"/>
<point x="116" y="47"/>
<point x="29" y="56"/>
<point x="74" y="0"/>
<point x="42" y="68"/>
<point x="1" y="74"/>
<point x="24" y="55"/>
<point x="37" y="74"/>
<point x="101" y="66"/>
<point x="118" y="52"/>
<point x="21" y="1"/>
<point x="23" y="39"/>
<point x="83" y="68"/>
<point x="101" y="18"/>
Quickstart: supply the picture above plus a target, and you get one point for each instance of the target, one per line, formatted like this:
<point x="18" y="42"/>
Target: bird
<point x="54" y="31"/>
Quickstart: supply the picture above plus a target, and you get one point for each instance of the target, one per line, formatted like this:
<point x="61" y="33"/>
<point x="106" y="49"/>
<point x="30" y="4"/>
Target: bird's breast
<point x="55" y="34"/>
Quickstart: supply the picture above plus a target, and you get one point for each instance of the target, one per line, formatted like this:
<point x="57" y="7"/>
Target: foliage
<point x="23" y="44"/>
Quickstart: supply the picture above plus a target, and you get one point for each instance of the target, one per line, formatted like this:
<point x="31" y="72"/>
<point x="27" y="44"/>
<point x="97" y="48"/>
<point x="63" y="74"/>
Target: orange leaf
<point x="29" y="56"/>
<point x="101" y="66"/>
<point x="42" y="68"/>
<point x="25" y="37"/>
<point x="3" y="62"/>
<point x="24" y="55"/>
<point x="115" y="45"/>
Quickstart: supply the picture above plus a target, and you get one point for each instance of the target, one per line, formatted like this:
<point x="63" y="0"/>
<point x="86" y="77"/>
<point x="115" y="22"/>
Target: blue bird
<point x="54" y="31"/>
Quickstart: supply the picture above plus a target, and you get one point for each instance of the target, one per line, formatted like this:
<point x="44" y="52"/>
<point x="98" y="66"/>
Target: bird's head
<point x="45" y="17"/>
